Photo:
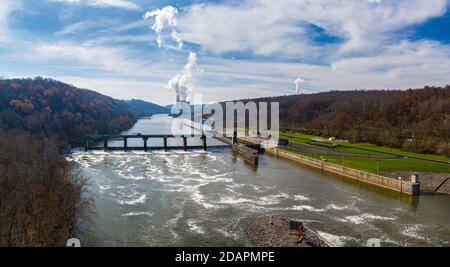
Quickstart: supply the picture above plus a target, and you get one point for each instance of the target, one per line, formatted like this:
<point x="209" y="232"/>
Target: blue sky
<point x="245" y="48"/>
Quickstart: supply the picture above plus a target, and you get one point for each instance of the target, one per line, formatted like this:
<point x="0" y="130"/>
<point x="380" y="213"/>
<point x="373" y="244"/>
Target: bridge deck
<point x="138" y="136"/>
<point x="97" y="138"/>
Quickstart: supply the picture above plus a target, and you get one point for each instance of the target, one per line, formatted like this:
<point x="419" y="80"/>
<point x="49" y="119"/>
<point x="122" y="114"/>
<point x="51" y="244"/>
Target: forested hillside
<point x="40" y="197"/>
<point x="48" y="107"/>
<point x="144" y="109"/>
<point x="416" y="120"/>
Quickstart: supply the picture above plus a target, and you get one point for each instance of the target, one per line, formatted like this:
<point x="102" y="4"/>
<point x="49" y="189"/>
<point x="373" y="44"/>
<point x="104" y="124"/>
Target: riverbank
<point x="406" y="187"/>
<point x="41" y="197"/>
<point x="273" y="231"/>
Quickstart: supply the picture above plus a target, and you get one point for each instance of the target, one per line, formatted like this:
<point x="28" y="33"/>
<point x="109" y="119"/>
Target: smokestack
<point x="178" y="98"/>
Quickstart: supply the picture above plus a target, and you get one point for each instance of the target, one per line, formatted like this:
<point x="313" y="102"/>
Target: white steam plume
<point x="298" y="84"/>
<point x="177" y="38"/>
<point x="163" y="17"/>
<point x="182" y="83"/>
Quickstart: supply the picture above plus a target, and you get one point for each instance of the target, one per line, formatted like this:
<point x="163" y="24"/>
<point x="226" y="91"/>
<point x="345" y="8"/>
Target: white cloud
<point x="381" y="60"/>
<point x="267" y="27"/>
<point x="103" y="3"/>
<point x="122" y="88"/>
<point x="400" y="66"/>
<point x="223" y="28"/>
<point x="116" y="39"/>
<point x="6" y="7"/>
<point x="77" y="27"/>
<point x="211" y="94"/>
<point x="113" y="59"/>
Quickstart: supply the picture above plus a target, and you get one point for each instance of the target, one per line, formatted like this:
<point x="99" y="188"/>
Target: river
<point x="198" y="198"/>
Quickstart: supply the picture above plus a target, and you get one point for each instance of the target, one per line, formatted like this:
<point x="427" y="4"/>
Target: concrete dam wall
<point x="406" y="187"/>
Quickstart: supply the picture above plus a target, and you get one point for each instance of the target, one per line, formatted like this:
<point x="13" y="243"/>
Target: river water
<point x="198" y="198"/>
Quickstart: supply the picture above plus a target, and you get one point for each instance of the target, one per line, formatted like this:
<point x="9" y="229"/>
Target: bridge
<point x="249" y="151"/>
<point x="105" y="138"/>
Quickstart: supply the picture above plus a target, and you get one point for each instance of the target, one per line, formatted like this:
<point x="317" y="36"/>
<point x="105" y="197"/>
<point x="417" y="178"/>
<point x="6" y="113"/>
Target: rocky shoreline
<point x="273" y="231"/>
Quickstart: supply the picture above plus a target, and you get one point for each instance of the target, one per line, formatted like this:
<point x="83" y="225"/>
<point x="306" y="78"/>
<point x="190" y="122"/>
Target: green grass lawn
<point x="297" y="138"/>
<point x="358" y="151"/>
<point x="373" y="165"/>
<point x="304" y="139"/>
<point x="377" y="166"/>
<point x="367" y="164"/>
<point x="396" y="151"/>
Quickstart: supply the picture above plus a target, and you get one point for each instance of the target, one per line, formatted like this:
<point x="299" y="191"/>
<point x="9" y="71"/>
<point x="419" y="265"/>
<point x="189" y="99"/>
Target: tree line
<point x="41" y="198"/>
<point x="417" y="120"/>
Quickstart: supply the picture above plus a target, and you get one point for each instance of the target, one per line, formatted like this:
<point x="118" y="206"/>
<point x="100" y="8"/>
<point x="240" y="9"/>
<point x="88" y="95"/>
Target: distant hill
<point x="193" y="107"/>
<point x="48" y="107"/>
<point x="416" y="120"/>
<point x="142" y="108"/>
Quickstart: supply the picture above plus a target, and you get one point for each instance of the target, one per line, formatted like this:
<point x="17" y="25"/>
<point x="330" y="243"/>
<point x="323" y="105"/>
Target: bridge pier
<point x="184" y="142"/>
<point x="125" y="143"/>
<point x="235" y="138"/>
<point x="165" y="143"/>
<point x="105" y="143"/>
<point x="145" y="144"/>
<point x="204" y="142"/>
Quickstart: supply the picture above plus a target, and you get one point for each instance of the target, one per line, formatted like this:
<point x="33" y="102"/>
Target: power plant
<point x="177" y="108"/>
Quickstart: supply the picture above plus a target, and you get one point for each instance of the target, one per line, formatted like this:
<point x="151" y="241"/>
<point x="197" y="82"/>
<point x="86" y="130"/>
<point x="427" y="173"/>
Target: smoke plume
<point x="164" y="17"/>
<point x="181" y="84"/>
<point x="298" y="84"/>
